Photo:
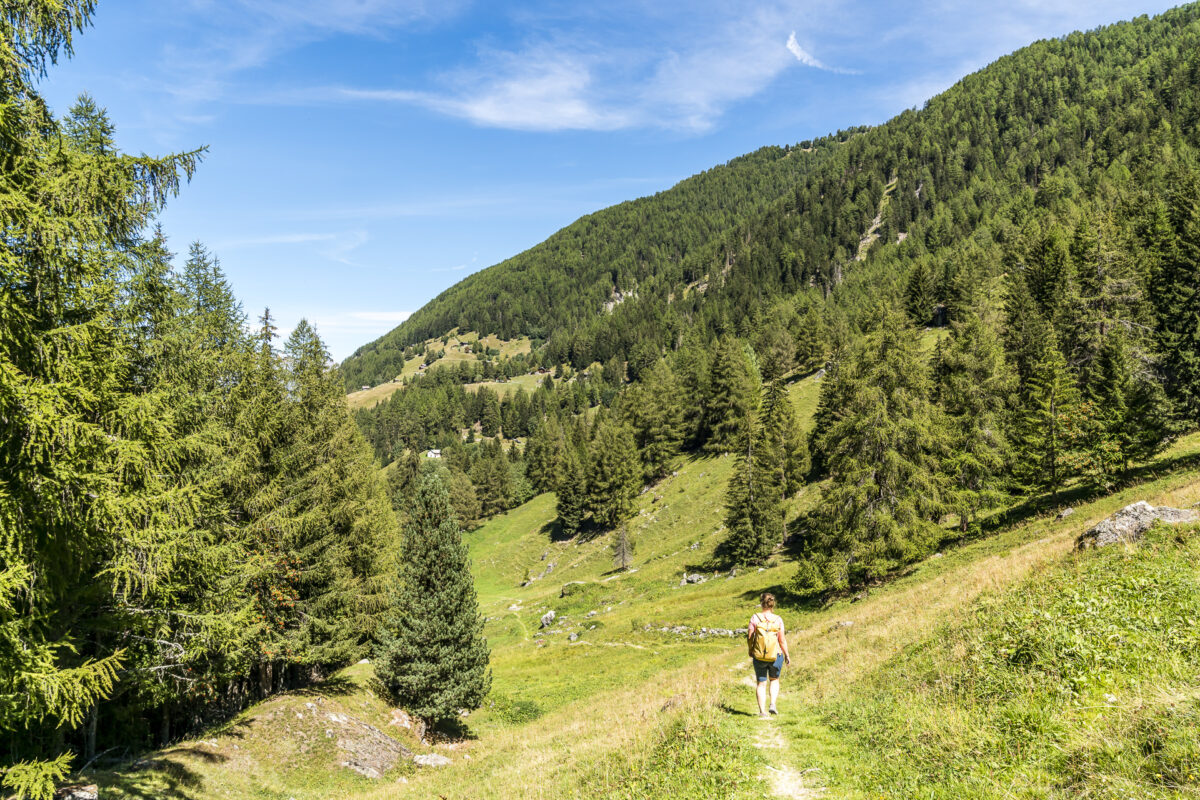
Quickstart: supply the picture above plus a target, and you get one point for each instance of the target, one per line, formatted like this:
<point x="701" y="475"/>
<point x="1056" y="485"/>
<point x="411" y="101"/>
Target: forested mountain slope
<point x="1110" y="112"/>
<point x="602" y="258"/>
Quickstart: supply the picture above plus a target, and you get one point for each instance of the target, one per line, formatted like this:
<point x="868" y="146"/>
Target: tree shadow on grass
<point x="737" y="712"/>
<point x="330" y="687"/>
<point x="451" y="730"/>
<point x="166" y="776"/>
<point x="1036" y="505"/>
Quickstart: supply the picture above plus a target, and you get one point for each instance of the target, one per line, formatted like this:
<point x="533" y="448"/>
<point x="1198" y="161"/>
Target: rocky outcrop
<point x="1131" y="523"/>
<point x="364" y="748"/>
<point x="90" y="792"/>
<point x="548" y="618"/>
<point x="697" y="633"/>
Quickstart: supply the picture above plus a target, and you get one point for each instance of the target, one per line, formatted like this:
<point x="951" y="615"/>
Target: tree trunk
<point x="89" y="734"/>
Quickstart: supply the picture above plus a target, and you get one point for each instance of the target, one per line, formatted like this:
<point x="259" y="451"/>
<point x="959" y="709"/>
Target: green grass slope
<point x="603" y="702"/>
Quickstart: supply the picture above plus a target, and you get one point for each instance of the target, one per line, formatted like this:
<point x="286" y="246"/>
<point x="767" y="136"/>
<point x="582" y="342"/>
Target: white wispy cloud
<point x="809" y="60"/>
<point x="571" y="83"/>
<point x="274" y="239"/>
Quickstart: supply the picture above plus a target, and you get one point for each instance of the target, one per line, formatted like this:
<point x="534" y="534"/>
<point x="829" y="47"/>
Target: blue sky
<point x="366" y="154"/>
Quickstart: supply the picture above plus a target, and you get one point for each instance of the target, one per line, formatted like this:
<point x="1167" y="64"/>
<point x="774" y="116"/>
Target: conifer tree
<point x="653" y="410"/>
<point x="571" y="493"/>
<point x="884" y="451"/>
<point x="1048" y="425"/>
<point x="1127" y="412"/>
<point x="492" y="478"/>
<point x="463" y="498"/>
<point x="754" y="512"/>
<point x="543" y="456"/>
<point x="733" y="396"/>
<point x="783" y="443"/>
<point x="920" y="293"/>
<point x="432" y="656"/>
<point x="614" y="474"/>
<point x="87" y="484"/>
<point x="1177" y="300"/>
<point x="333" y="509"/>
<point x="974" y="384"/>
<point x="623" y="548"/>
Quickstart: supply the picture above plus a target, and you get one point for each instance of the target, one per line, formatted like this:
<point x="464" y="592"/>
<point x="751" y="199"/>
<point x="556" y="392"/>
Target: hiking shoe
<point x="773" y="711"/>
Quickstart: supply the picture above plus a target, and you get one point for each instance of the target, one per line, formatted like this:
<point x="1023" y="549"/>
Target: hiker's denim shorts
<point x="765" y="669"/>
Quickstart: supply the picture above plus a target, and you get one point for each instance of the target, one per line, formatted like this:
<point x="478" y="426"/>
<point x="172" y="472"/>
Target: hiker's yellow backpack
<point x="764" y="644"/>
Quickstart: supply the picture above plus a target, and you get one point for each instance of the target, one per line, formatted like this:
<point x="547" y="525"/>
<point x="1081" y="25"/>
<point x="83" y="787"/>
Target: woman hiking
<point x="768" y="652"/>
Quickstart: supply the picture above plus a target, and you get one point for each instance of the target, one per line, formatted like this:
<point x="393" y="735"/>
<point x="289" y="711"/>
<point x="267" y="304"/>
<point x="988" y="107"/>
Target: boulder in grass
<point x="431" y="760"/>
<point x="548" y="618"/>
<point x="1131" y="523"/>
<point x="90" y="792"/>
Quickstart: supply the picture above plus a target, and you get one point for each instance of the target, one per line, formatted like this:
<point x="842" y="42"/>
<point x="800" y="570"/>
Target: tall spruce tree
<point x="432" y="656"/>
<point x="732" y="396"/>
<point x="754" y="511"/>
<point x="334" y="510"/>
<point x="571" y="493"/>
<point x="974" y="385"/>
<point x="614" y="473"/>
<point x="1177" y="300"/>
<point x="1048" y="425"/>
<point x="653" y="409"/>
<point x="783" y="443"/>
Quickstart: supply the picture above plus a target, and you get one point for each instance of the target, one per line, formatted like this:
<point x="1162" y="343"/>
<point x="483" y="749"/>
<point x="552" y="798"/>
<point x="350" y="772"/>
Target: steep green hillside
<point x="603" y="258"/>
<point x="1100" y="118"/>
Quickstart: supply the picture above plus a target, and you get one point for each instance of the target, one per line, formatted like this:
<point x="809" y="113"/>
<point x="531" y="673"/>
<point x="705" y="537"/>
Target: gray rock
<point x="858" y="597"/>
<point x="841" y="626"/>
<point x="431" y="760"/>
<point x="366" y="770"/>
<point x="696" y="577"/>
<point x="90" y="792"/>
<point x="548" y="618"/>
<point x="733" y="572"/>
<point x="819" y="374"/>
<point x="1066" y="512"/>
<point x="1130" y="524"/>
<point x="573" y="637"/>
<point x="589" y="614"/>
<point x="683" y="581"/>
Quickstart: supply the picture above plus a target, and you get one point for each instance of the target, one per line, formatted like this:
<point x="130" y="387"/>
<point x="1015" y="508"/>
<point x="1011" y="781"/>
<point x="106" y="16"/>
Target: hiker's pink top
<point x="769" y="617"/>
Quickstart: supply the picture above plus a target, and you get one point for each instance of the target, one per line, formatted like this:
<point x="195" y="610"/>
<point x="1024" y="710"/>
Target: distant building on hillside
<point x="433" y="453"/>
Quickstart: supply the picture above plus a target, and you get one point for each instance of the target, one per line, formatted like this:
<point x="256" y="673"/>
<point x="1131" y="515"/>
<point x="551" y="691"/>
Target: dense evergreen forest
<point x="189" y="517"/>
<point x="1042" y="214"/>
<point x="604" y="258"/>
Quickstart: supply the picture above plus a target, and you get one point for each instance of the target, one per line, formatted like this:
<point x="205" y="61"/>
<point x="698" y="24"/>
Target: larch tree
<point x="885" y="449"/>
<point x="86" y="487"/>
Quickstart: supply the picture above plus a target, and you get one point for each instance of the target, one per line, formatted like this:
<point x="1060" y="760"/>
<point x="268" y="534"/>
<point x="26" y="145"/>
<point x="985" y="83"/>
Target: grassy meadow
<point x="906" y="692"/>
